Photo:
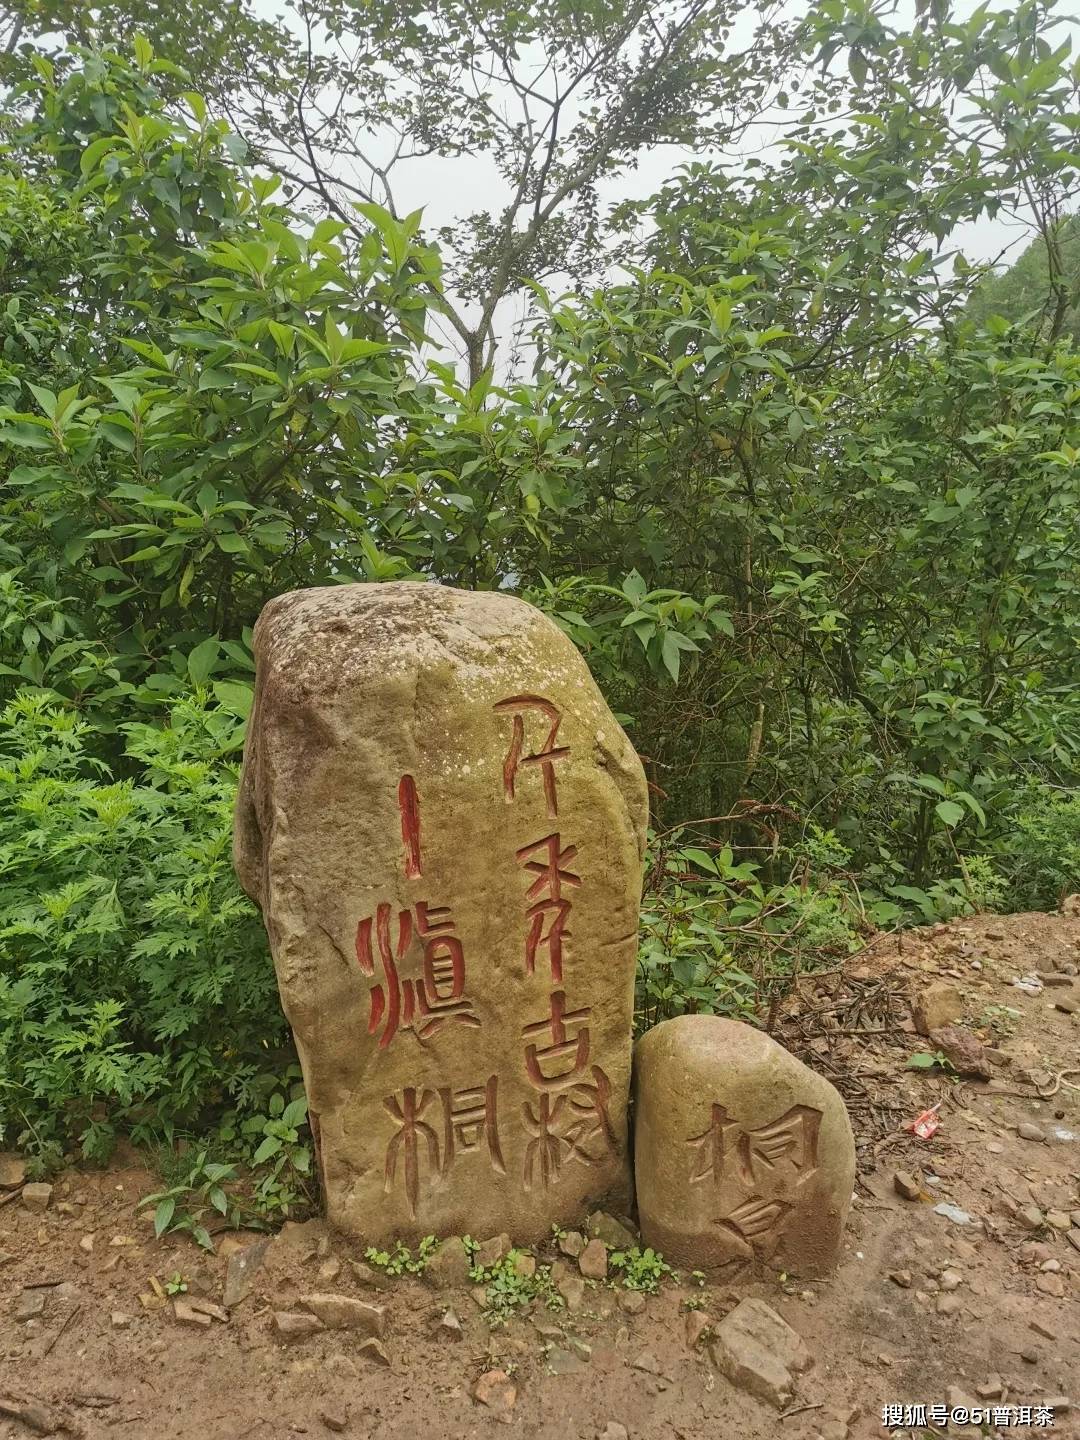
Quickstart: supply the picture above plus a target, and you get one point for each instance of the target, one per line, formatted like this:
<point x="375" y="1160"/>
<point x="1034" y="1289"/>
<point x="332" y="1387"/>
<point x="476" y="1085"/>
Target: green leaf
<point x="96" y="151"/>
<point x="234" y="697"/>
<point x="949" y="812"/>
<point x="634" y="588"/>
<point x="670" y="650"/>
<point x="702" y="858"/>
<point x="295" y="1113"/>
<point x="202" y="660"/>
<point x="163" y="1215"/>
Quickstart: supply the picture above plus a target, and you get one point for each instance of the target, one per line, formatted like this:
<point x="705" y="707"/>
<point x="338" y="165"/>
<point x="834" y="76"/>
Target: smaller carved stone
<point x="741" y="1151"/>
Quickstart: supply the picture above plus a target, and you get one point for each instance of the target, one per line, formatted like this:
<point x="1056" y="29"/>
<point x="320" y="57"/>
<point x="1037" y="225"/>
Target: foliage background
<point x="800" y="481"/>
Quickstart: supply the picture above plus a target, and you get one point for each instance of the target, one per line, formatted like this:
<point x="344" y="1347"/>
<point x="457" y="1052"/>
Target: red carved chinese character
<point x="566" y="1127"/>
<point x="545" y="757"/>
<point x="550" y="910"/>
<point x="561" y="1046"/>
<point x="422" y="1005"/>
<point x="469" y="1122"/>
<point x="409" y="806"/>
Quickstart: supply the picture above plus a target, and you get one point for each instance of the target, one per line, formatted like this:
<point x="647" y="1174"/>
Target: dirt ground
<point x="922" y="1310"/>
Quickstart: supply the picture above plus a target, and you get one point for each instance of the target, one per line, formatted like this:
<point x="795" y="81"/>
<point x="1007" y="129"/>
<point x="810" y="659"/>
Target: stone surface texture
<point x="740" y="1149"/>
<point x="937" y="1005"/>
<point x="444" y="827"/>
<point x="756" y="1349"/>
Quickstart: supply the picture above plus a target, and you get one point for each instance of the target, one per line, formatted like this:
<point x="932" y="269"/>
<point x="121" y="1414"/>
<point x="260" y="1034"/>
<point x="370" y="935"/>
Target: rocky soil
<point x="960" y="1285"/>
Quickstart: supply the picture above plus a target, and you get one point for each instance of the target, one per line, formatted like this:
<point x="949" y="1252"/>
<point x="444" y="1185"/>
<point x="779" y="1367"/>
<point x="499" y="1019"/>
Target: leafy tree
<point x="553" y="99"/>
<point x="193" y="381"/>
<point x="1026" y="291"/>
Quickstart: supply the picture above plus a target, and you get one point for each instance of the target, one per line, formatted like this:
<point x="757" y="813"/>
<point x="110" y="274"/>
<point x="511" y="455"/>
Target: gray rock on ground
<point x="757" y="1350"/>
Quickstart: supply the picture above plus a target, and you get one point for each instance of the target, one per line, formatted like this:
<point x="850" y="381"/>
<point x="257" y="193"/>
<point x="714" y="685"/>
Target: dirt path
<point x="923" y="1309"/>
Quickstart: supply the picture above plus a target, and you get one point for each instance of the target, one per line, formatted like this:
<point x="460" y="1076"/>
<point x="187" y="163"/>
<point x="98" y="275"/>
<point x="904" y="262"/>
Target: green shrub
<point x="716" y="934"/>
<point x="1041" y="856"/>
<point x="136" y="989"/>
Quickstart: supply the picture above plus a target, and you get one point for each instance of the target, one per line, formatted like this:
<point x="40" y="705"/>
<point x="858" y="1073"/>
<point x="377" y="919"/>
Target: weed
<point x="639" y="1269"/>
<point x="401" y="1260"/>
<point x="510" y="1291"/>
<point x="202" y="1190"/>
<point x="928" y="1060"/>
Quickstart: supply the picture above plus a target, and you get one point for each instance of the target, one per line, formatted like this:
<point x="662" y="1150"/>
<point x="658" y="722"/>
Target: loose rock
<point x="648" y="1363"/>
<point x="939" y="1004"/>
<point x="449" y="1327"/>
<point x="593" y="1261"/>
<point x="343" y="1312"/>
<point x="496" y="1391"/>
<point x="571" y="1243"/>
<point x="185" y="1313"/>
<point x="614" y="1234"/>
<point x="334" y="1417"/>
<point x="963" y="1050"/>
<point x="905" y="1184"/>
<point x="1027" y="1131"/>
<point x="36" y="1197"/>
<point x="374" y="1352"/>
<point x="12" y="1171"/>
<point x="292" y="1326"/>
<point x="29" y="1305"/>
<point x="372" y="1279"/>
<point x="448" y="1268"/>
<point x="758" y="1350"/>
<point x="564" y="1362"/>
<point x="492" y="1251"/>
<point x="240" y="1272"/>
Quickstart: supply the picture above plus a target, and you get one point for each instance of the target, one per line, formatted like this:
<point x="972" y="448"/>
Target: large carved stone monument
<point x="444" y="825"/>
<point x="740" y="1150"/>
